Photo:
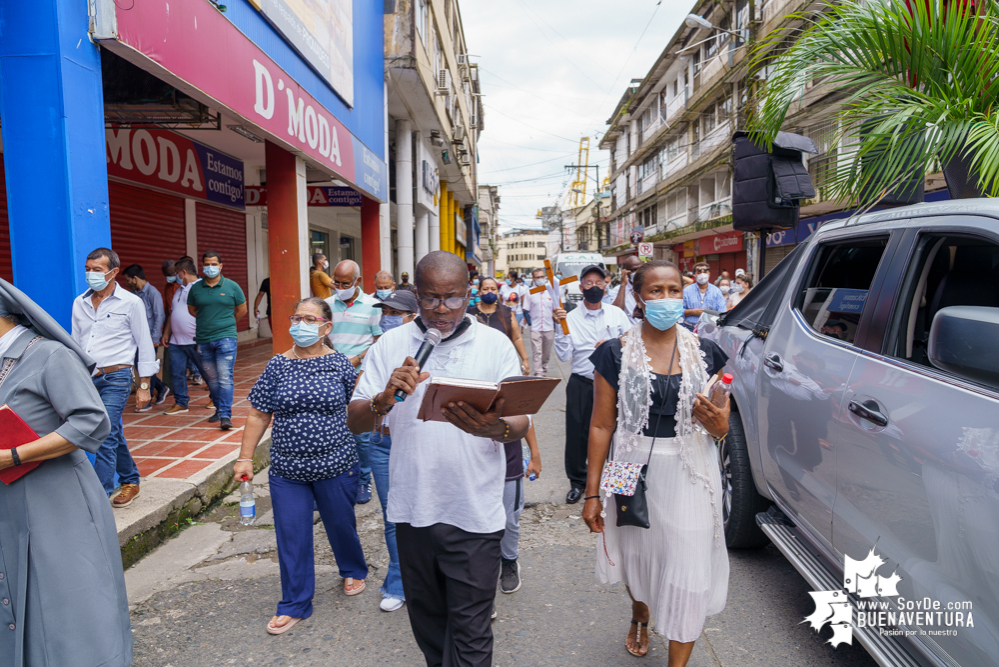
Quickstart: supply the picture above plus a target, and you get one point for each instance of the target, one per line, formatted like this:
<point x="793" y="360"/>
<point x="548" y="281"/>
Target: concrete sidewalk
<point x="185" y="462"/>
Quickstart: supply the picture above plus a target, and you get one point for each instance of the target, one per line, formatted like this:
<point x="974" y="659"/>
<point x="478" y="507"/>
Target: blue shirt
<point x="693" y="298"/>
<point x="155" y="316"/>
<point x="308" y="398"/>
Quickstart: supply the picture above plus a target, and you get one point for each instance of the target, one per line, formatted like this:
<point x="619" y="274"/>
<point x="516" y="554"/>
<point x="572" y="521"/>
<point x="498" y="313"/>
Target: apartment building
<point x="435" y="119"/>
<point x="522" y="250"/>
<point x="489" y="203"/>
<point x="670" y="143"/>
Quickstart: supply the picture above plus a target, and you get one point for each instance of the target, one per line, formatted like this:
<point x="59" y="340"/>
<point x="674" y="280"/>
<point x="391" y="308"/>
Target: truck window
<point x="835" y="293"/>
<point x="948" y="270"/>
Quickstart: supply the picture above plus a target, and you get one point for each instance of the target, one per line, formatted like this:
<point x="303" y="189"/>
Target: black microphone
<point x="430" y="340"/>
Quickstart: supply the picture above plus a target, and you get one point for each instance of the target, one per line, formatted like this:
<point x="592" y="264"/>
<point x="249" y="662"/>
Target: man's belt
<point x="110" y="369"/>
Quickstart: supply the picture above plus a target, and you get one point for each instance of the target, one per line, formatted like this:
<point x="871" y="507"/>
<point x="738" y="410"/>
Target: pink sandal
<point x="351" y="588"/>
<point x="280" y="630"/>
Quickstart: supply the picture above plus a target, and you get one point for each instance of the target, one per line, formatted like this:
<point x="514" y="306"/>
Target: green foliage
<point x="922" y="77"/>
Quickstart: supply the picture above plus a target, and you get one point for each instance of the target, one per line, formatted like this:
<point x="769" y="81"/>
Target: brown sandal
<point x="280" y="630"/>
<point x="352" y="588"/>
<point x="638" y="638"/>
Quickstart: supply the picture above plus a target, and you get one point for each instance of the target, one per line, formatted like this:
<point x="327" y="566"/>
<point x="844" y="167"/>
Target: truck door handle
<point x="773" y="361"/>
<point x="869" y="412"/>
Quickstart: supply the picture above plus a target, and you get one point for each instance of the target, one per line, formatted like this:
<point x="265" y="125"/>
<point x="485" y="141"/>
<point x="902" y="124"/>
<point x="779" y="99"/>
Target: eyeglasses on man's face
<point x="450" y="302"/>
<point x="343" y="285"/>
<point x="308" y="319"/>
<point x="702" y="270"/>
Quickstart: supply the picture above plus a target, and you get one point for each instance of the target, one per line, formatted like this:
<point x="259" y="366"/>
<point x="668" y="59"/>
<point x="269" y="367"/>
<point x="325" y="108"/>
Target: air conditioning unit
<point x="473" y="121"/>
<point x="462" y="58"/>
<point x="465" y="160"/>
<point x="459" y="133"/>
<point x="444" y="82"/>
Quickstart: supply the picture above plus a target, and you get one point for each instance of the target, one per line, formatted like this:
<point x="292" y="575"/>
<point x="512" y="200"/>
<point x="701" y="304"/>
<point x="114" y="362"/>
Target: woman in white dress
<point x="646" y="396"/>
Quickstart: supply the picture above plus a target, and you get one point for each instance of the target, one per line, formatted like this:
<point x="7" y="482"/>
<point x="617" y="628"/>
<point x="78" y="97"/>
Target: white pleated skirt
<point x="677" y="566"/>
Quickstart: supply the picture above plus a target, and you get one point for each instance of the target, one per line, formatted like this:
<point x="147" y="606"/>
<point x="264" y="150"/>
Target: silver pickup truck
<point x="865" y="427"/>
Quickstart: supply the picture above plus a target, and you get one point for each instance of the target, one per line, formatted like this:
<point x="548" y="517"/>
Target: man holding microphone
<point x="445" y="478"/>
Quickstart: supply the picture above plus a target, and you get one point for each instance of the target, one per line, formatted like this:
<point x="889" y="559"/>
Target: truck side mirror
<point x="963" y="340"/>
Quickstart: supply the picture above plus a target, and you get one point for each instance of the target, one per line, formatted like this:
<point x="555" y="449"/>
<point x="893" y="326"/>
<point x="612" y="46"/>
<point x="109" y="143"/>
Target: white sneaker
<point x="391" y="604"/>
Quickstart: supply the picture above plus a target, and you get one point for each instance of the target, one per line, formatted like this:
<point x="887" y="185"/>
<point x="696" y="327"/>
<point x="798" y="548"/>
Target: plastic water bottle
<point x="719" y="393"/>
<point x="247" y="503"/>
<point x="525" y="452"/>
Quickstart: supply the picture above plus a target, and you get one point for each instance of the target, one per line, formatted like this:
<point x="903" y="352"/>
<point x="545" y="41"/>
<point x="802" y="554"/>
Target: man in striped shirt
<point x="355" y="329"/>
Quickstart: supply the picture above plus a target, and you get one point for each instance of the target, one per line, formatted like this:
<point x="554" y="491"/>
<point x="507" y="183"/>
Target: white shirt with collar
<point x="586" y="329"/>
<point x="539" y="306"/>
<point x="629" y="301"/>
<point x="112" y="333"/>
<point x="437" y="472"/>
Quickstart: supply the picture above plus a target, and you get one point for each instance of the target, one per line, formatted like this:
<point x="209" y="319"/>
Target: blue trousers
<point x="217" y="359"/>
<point x="181" y="356"/>
<point x="113" y="456"/>
<point x="292" y="503"/>
<point x="380" y="447"/>
<point x="361" y="442"/>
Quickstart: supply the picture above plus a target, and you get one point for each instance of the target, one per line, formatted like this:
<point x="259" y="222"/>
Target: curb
<point x="167" y="503"/>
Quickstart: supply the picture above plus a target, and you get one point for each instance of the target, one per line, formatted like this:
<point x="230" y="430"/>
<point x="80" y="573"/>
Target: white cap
<point x="740" y="272"/>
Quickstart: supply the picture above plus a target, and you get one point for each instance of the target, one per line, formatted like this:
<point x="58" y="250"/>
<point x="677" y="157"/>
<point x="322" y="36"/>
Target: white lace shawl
<point x="634" y="398"/>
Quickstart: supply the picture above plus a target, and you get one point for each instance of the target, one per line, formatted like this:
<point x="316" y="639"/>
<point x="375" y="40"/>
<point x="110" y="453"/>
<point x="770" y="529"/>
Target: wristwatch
<point x="144" y="386"/>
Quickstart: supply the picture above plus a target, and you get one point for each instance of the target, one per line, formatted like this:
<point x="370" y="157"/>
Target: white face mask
<point x="725" y="289"/>
<point x="326" y="264"/>
<point x="540" y="282"/>
<point x="737" y="288"/>
<point x="702" y="278"/>
<point x="346" y="294"/>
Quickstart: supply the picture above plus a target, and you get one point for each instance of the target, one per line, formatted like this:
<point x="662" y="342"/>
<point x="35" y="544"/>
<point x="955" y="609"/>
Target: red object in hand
<point x="14" y="433"/>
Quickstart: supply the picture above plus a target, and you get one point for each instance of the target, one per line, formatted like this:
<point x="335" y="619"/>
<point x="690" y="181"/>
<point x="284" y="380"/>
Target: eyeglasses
<point x="702" y="270"/>
<point x="451" y="302"/>
<point x="308" y="319"/>
<point x="342" y="285"/>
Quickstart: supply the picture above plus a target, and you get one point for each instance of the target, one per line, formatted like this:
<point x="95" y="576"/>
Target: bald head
<point x="347" y="270"/>
<point x="633" y="263"/>
<point x="443" y="266"/>
<point x="384" y="281"/>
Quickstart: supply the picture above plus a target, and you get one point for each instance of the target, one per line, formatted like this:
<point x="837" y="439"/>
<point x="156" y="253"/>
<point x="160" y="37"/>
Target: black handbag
<point x="634" y="510"/>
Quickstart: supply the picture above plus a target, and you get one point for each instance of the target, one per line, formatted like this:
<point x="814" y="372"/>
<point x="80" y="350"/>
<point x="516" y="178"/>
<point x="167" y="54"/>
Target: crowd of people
<point x="343" y="404"/>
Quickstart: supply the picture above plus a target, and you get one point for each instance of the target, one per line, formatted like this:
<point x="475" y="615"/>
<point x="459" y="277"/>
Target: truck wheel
<point x="741" y="502"/>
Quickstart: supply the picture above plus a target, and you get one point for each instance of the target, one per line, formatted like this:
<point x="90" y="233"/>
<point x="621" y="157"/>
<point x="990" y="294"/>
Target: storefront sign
<point x="256" y="195"/>
<point x="169" y="161"/>
<point x="191" y="41"/>
<point x="459" y="230"/>
<point x="717" y="244"/>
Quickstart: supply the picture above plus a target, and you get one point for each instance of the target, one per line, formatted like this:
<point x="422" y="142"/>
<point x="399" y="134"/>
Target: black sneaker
<point x="363" y="494"/>
<point x="510" y="576"/>
<point x="214" y="419"/>
<point x="225" y="425"/>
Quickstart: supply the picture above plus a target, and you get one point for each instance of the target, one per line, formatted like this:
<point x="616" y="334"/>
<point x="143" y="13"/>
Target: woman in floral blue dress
<point x="313" y="459"/>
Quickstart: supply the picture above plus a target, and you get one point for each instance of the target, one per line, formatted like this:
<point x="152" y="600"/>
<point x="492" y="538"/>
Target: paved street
<point x="204" y="597"/>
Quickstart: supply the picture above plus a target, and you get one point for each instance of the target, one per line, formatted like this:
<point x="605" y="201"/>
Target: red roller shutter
<point x="6" y="263"/>
<point x="224" y="231"/>
<point x="147" y="228"/>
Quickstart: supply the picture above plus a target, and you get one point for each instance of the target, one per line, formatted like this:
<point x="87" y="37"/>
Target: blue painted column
<point x="52" y="118"/>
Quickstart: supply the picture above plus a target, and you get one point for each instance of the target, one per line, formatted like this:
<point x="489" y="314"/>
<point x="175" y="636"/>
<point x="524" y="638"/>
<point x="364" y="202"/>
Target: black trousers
<point x="578" y="408"/>
<point x="449" y="577"/>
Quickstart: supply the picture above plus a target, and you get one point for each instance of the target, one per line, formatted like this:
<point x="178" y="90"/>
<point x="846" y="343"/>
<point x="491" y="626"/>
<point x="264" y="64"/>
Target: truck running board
<point x="886" y="651"/>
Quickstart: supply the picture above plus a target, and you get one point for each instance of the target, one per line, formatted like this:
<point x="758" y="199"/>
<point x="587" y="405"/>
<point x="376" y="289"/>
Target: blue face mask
<point x="171" y="279"/>
<point x="212" y="271"/>
<point x="489" y="297"/>
<point x="95" y="280"/>
<point x="509" y="282"/>
<point x="389" y="322"/>
<point x="663" y="313"/>
<point x="383" y="293"/>
<point x="304" y="334"/>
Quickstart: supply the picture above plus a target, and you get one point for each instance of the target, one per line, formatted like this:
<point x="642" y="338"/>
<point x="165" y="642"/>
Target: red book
<point x="14" y="433"/>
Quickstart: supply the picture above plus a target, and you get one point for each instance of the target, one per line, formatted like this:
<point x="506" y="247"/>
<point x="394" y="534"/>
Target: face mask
<point x="702" y="278"/>
<point x="212" y="271"/>
<point x="475" y="282"/>
<point x="489" y="298"/>
<point x="725" y="289"/>
<point x="304" y="334"/>
<point x="508" y="282"/>
<point x="389" y="322"/>
<point x="593" y="294"/>
<point x="737" y="288"/>
<point x="383" y="294"/>
<point x="405" y="279"/>
<point x="540" y="282"/>
<point x="95" y="279"/>
<point x="664" y="313"/>
<point x="326" y="264"/>
<point x="558" y="276"/>
<point x="171" y="279"/>
<point x="475" y="290"/>
<point x="345" y="294"/>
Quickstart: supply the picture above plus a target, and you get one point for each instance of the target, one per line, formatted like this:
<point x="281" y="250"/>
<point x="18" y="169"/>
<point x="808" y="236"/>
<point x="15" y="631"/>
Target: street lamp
<point x="695" y="21"/>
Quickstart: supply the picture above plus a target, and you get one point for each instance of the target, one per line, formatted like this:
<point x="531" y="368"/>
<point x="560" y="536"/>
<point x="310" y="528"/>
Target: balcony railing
<point x="715" y="209"/>
<point x="714" y="66"/>
<point x="676" y="105"/>
<point x="721" y="134"/>
<point x="650" y="131"/>
<point x="676" y="164"/>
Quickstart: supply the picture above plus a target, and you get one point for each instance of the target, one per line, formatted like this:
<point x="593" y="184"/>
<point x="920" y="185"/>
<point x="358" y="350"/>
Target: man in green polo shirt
<point x="217" y="303"/>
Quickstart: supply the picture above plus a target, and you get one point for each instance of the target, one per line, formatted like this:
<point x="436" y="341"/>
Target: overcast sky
<point x="552" y="71"/>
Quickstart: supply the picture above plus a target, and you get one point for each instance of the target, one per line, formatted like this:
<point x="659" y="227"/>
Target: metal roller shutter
<point x="6" y="263"/>
<point x="147" y="228"/>
<point x="224" y="231"/>
<point x="774" y="255"/>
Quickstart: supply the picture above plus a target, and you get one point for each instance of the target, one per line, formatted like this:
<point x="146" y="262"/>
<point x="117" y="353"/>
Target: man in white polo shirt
<point x="445" y="479"/>
<point x="178" y="337"/>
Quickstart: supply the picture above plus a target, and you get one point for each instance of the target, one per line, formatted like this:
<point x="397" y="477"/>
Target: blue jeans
<point x="217" y="359"/>
<point x="361" y="444"/>
<point x="180" y="357"/>
<point x="113" y="456"/>
<point x="381" y="445"/>
<point x="292" y="503"/>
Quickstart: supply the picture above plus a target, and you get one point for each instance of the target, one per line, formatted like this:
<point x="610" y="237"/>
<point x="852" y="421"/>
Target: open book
<point x="524" y="395"/>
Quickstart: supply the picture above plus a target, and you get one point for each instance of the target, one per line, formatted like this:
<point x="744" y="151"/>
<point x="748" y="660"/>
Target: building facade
<point x="434" y="122"/>
<point x="522" y="250"/>
<point x="489" y="204"/>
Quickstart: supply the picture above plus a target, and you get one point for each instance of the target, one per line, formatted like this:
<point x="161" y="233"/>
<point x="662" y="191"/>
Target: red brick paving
<point x="178" y="446"/>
